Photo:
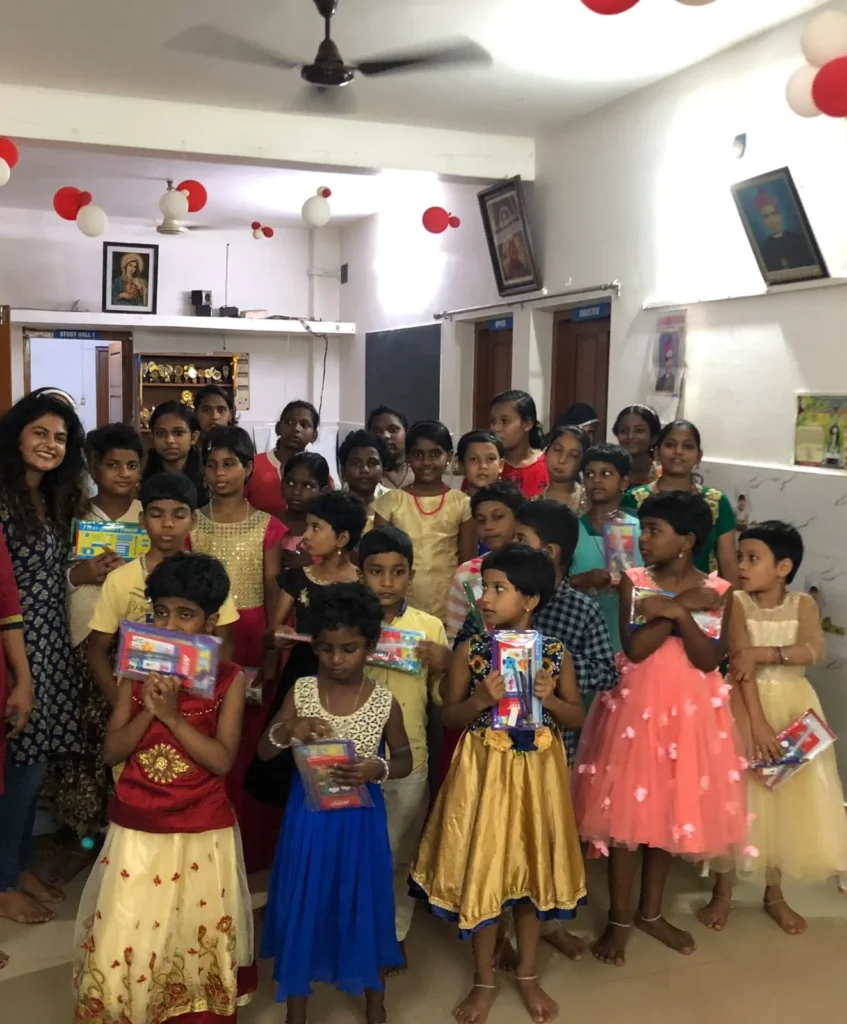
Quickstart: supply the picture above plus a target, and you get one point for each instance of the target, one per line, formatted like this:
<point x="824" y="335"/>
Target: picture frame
<point x="130" y="278"/>
<point x="778" y="229"/>
<point x="507" y="233"/>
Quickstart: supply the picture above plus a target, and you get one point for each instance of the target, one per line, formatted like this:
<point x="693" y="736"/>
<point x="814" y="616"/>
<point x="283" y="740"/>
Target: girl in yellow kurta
<point x="502" y="833"/>
<point x="798" y="828"/>
<point x="437" y="519"/>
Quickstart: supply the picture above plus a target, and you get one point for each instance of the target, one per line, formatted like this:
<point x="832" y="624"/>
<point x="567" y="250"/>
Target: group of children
<point x="642" y="754"/>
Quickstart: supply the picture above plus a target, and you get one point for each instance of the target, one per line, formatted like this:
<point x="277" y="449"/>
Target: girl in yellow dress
<point x="502" y="833"/>
<point x="798" y="828"/>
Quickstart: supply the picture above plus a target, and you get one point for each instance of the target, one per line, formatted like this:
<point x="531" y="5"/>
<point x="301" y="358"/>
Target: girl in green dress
<point x="680" y="451"/>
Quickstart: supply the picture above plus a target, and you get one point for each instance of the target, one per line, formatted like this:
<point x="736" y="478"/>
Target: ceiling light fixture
<point x="739" y="145"/>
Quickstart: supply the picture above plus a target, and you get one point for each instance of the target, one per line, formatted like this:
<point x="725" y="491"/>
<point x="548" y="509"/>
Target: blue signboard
<point x="503" y="324"/>
<point x="599" y="311"/>
<point x="80" y="335"/>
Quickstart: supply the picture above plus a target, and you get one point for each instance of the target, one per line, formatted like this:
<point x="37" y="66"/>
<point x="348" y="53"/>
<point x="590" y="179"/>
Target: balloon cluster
<point x="8" y="159"/>
<point x="73" y="204"/>
<point x="820" y="86"/>
<point x="188" y="197"/>
<point x="619" y="6"/>
<point x="316" y="210"/>
<point x="261" y="232"/>
<point x="436" y="220"/>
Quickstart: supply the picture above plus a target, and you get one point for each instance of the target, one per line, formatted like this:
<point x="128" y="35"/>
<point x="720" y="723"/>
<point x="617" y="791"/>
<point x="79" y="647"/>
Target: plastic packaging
<point x="90" y="538"/>
<point x="802" y="741"/>
<point x="315" y="762"/>
<point x="518" y="658"/>
<point x="144" y="649"/>
<point x="710" y="622"/>
<point x="619" y="543"/>
<point x="398" y="649"/>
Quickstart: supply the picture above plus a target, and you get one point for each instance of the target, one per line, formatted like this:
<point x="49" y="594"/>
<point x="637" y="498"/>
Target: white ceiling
<point x="553" y="59"/>
<point x="128" y="185"/>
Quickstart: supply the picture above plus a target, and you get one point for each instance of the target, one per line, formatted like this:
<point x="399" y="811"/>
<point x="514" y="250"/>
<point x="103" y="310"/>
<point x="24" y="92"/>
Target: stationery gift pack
<point x="710" y="622"/>
<point x="315" y="761"/>
<point x="802" y="741"/>
<point x="144" y="649"/>
<point x="398" y="649"/>
<point x="90" y="538"/>
<point x="517" y="657"/>
<point x="619" y="545"/>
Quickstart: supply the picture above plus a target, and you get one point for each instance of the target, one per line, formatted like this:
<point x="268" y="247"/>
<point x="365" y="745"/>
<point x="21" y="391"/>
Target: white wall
<point x="72" y="364"/>
<point x="399" y="275"/>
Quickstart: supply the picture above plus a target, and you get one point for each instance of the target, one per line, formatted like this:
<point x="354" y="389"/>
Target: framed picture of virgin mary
<point x="130" y="278"/>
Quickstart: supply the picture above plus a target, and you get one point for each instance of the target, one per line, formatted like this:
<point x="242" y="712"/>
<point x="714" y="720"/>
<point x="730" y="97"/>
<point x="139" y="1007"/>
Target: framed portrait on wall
<point x="778" y="229"/>
<point x="130" y="278"/>
<point x="507" y="233"/>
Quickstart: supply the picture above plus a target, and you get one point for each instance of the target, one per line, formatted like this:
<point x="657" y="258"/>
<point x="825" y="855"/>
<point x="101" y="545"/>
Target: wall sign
<point x="503" y="324"/>
<point x="599" y="311"/>
<point x="78" y="335"/>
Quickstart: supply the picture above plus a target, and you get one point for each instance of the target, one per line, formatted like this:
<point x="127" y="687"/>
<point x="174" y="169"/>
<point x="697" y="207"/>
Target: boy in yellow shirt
<point x="386" y="567"/>
<point x="169" y="511"/>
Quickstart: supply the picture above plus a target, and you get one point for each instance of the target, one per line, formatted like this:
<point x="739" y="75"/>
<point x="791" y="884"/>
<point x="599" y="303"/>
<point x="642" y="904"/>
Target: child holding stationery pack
<point x="386" y="564"/>
<point x="330" y="914"/>
<point x="530" y="858"/>
<point x="164" y="927"/>
<point x="659" y="764"/>
<point x="799" y="827"/>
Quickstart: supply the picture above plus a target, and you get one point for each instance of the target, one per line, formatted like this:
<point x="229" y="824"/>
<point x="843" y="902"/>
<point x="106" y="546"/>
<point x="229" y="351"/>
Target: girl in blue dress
<point x="330" y="912"/>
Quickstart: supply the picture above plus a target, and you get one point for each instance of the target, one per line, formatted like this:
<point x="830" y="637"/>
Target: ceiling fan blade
<point x="210" y="41"/>
<point x="316" y="100"/>
<point x="463" y="51"/>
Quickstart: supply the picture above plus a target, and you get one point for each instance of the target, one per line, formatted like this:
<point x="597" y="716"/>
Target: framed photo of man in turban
<point x="130" y="278"/>
<point x="778" y="229"/>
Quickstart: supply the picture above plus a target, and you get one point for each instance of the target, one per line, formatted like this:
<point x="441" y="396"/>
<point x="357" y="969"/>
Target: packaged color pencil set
<point x="802" y="741"/>
<point x="619" y="545"/>
<point x="710" y="622"/>
<point x="517" y="657"/>
<point x="315" y="762"/>
<point x="90" y="538"/>
<point x="144" y="649"/>
<point x="398" y="649"/>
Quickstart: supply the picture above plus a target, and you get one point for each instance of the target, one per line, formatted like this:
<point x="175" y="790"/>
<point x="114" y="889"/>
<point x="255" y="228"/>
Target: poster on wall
<point x="667" y="364"/>
<point x="819" y="431"/>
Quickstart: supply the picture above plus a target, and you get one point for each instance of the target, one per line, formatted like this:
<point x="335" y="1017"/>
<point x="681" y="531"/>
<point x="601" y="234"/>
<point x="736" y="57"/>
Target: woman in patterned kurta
<point x="41" y="474"/>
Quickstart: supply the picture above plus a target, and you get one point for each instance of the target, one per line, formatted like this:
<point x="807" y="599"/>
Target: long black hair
<point x="524" y="405"/>
<point x="62" y="487"/>
<point x="193" y="464"/>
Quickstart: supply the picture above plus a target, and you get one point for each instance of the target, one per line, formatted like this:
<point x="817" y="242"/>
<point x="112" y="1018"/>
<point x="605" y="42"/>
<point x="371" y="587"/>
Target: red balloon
<point x="83" y="199"/>
<point x="326" y="192"/>
<point x="66" y="202"/>
<point x="829" y="89"/>
<point x="197" y="194"/>
<point x="268" y="232"/>
<point x="255" y="225"/>
<point x="609" y="6"/>
<point x="454" y="222"/>
<point x="436" y="220"/>
<point x="8" y="152"/>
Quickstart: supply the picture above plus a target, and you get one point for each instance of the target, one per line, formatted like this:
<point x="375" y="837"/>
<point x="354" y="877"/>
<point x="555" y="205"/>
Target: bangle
<point x="386" y="771"/>
<point x="782" y="658"/>
<point x="274" y="742"/>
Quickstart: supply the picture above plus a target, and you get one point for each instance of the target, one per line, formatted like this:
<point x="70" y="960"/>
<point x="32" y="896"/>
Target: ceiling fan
<point x="328" y="72"/>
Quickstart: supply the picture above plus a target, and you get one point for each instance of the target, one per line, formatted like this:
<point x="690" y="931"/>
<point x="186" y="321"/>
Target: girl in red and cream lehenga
<point x="164" y="929"/>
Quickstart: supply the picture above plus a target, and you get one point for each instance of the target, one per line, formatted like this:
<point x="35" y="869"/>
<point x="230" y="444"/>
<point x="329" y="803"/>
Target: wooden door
<point x="580" y="366"/>
<point x="116" y="382"/>
<point x="492" y="370"/>
<point x="101" y="378"/>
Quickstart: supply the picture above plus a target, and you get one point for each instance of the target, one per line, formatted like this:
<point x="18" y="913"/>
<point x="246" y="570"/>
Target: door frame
<point x="566" y="316"/>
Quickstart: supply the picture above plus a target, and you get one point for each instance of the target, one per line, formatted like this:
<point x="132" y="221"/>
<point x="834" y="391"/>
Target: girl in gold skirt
<point x="502" y="833"/>
<point x="799" y="828"/>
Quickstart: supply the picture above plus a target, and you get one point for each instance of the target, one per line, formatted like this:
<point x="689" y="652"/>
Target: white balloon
<point x="173" y="204"/>
<point x="825" y="38"/>
<point x="257" y="233"/>
<point x="5" y="172"/>
<point x="798" y="91"/>
<point x="696" y="3"/>
<point x="91" y="221"/>
<point x="316" y="211"/>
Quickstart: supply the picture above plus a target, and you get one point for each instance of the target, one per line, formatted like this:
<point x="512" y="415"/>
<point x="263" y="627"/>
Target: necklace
<point x="329" y="710"/>
<point x="440" y="506"/>
<point x="212" y="510"/>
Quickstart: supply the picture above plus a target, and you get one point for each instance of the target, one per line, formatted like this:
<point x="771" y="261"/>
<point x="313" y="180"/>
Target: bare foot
<point x="374" y="1007"/>
<point x="476" y="1005"/>
<point x="505" y="955"/>
<point x="787" y="919"/>
<point x="541" y="1007"/>
<point x="393" y="972"/>
<point x="4" y="959"/>
<point x="23" y="909"/>
<point x="571" y="945"/>
<point x="32" y="885"/>
<point x="715" y="914"/>
<point x="665" y="932"/>
<point x="610" y="948"/>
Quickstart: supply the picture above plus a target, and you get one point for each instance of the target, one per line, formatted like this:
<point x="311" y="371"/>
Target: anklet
<point x="772" y="903"/>
<point x="477" y="985"/>
<point x="533" y="978"/>
<point x="649" y="920"/>
<point x="619" y="924"/>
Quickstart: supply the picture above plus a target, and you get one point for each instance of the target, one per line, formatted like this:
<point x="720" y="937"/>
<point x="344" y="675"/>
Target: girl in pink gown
<point x="659" y="765"/>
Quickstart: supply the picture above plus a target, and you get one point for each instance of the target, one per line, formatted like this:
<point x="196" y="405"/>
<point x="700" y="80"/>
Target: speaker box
<point x="203" y="310"/>
<point x="200" y="297"/>
<point x="231" y="311"/>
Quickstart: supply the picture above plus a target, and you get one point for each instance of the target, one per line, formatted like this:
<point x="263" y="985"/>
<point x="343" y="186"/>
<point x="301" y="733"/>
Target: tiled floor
<point x="750" y="974"/>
